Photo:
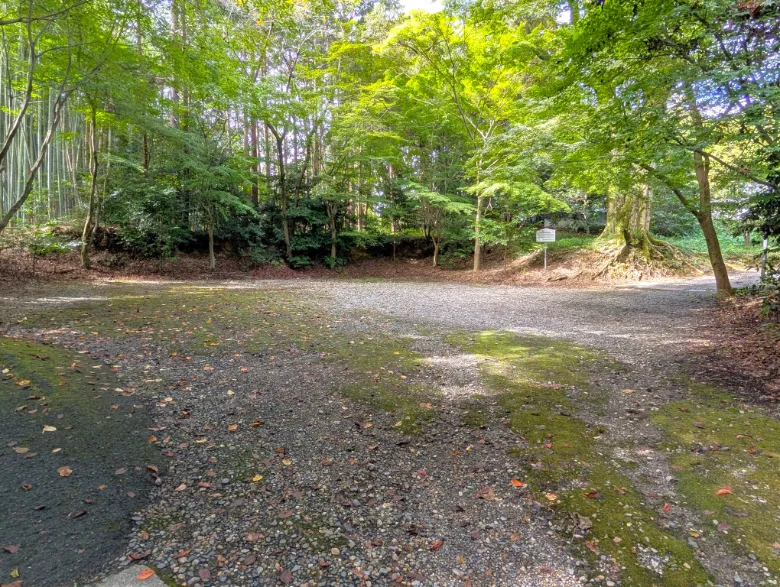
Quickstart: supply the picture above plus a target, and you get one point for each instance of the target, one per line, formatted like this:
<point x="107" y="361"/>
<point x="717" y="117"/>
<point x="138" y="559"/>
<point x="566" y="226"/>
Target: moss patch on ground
<point x="727" y="458"/>
<point x="534" y="378"/>
<point x="379" y="372"/>
<point x="214" y="321"/>
<point x="190" y="319"/>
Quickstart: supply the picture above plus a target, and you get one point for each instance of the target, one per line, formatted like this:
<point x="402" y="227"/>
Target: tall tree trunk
<point x="102" y="198"/>
<point x="144" y="138"/>
<point x="86" y="235"/>
<point x="212" y="256"/>
<point x="574" y="11"/>
<point x="174" y="118"/>
<point x="255" y="167"/>
<point x="701" y="163"/>
<point x="477" y="244"/>
<point x="282" y="188"/>
<point x="331" y="209"/>
<point x="333" y="235"/>
<point x="435" y="252"/>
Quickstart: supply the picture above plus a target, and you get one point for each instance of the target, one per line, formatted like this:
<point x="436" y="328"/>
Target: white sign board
<point x="545" y="235"/>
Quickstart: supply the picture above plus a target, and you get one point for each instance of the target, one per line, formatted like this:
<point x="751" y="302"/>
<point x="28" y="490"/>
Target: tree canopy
<point x="300" y="129"/>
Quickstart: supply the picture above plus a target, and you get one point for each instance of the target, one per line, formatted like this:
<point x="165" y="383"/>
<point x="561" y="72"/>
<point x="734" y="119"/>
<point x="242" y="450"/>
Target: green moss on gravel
<point x="159" y="522"/>
<point x="717" y="444"/>
<point x="379" y="374"/>
<point x="190" y="319"/>
<point x="534" y="379"/>
<point x="203" y="320"/>
<point x="474" y="414"/>
<point x="316" y="532"/>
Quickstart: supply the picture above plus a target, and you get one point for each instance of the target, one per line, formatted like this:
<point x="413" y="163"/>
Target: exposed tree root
<point x="649" y="258"/>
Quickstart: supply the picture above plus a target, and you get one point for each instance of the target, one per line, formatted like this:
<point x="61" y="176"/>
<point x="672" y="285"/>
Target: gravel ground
<point x="648" y="321"/>
<point x="269" y="477"/>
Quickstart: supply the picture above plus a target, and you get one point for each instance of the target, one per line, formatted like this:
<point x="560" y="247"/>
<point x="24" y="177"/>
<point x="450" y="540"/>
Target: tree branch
<point x="741" y="170"/>
<point x="675" y="190"/>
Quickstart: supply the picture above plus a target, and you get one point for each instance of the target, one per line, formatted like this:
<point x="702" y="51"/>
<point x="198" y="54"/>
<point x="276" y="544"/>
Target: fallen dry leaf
<point x="232" y="427"/>
<point x="436" y="545"/>
<point x="49" y="429"/>
<point x="486" y="493"/>
<point x="145" y="574"/>
<point x="724" y="491"/>
<point x="65" y="471"/>
<point x="517" y="483"/>
<point x="20" y="450"/>
<point x="12" y="548"/>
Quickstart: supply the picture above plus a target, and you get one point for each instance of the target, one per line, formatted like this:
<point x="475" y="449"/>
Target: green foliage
<point x="299" y="261"/>
<point x="40" y="240"/>
<point x="732" y="246"/>
<point x="305" y="131"/>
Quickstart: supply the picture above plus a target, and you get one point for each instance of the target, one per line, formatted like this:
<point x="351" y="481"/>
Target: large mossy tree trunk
<point x="628" y="222"/>
<point x="631" y="249"/>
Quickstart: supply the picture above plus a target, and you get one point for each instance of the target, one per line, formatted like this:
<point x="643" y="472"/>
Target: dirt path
<point x="383" y="433"/>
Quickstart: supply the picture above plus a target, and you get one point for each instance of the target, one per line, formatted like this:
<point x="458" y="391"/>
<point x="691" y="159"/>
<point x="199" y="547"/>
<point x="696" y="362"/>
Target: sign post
<point x="545" y="235"/>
